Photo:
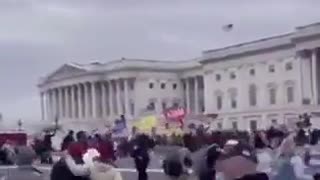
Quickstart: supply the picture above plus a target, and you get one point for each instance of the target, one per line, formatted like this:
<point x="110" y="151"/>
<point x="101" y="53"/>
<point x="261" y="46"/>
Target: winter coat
<point x="106" y="150"/>
<point x="66" y="142"/>
<point x="141" y="158"/>
<point x="61" y="171"/>
<point x="102" y="171"/>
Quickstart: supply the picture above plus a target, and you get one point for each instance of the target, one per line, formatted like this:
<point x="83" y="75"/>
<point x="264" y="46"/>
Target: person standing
<point x="71" y="166"/>
<point x="141" y="156"/>
<point x="67" y="140"/>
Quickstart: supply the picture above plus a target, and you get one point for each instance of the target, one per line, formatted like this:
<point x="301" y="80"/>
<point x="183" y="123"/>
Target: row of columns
<point x="314" y="65"/>
<point x="192" y="94"/>
<point x="96" y="100"/>
<point x="309" y="67"/>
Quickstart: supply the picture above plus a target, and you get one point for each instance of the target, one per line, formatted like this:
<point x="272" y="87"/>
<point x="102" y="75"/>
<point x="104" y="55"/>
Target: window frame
<point x="151" y="85"/>
<point x="233" y="75"/>
<point x="162" y="85"/>
<point x="174" y="86"/>
<point x="252" y="72"/>
<point x="290" y="99"/>
<point x="254" y="100"/>
<point x="219" y="101"/>
<point x="272" y="99"/>
<point x="271" y="68"/>
<point x="218" y="77"/>
<point x="288" y="66"/>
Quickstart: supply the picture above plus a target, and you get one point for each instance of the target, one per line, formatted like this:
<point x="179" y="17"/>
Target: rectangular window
<point x="218" y="77"/>
<point x="219" y="102"/>
<point x="162" y="85"/>
<point x="274" y="121"/>
<point x="233" y="103"/>
<point x="289" y="66"/>
<point x="232" y="75"/>
<point x="150" y="85"/>
<point x="252" y="72"/>
<point x="234" y="125"/>
<point x="253" y="125"/>
<point x="290" y="94"/>
<point x="164" y="106"/>
<point x="272" y="68"/>
<point x="174" y="86"/>
<point x="151" y="106"/>
<point x="252" y="95"/>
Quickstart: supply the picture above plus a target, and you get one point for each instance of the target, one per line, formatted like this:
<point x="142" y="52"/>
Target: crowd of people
<point x="276" y="153"/>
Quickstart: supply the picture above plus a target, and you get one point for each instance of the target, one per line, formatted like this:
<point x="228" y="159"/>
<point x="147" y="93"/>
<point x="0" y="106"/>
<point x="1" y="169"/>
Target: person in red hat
<point x="72" y="166"/>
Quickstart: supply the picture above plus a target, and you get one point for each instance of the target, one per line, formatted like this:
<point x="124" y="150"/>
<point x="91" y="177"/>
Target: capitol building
<point x="250" y="85"/>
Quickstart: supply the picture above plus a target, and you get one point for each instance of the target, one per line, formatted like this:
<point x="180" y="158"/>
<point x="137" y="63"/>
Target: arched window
<point x="233" y="97"/>
<point x="252" y="95"/>
<point x="290" y="94"/>
<point x="272" y="95"/>
<point x="290" y="91"/>
<point x="272" y="89"/>
<point x="219" y="102"/>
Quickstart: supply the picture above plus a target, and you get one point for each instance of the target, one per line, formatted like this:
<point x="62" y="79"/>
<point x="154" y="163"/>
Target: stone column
<point x="73" y="102"/>
<point x="60" y="94"/>
<point x="110" y="99"/>
<point x="86" y="103"/>
<point x="55" y="103"/>
<point x="94" y="100"/>
<point x="196" y="95"/>
<point x="187" y="95"/>
<point x="48" y="105"/>
<point x="66" y="104"/>
<point x="42" y="105"/>
<point x="126" y="97"/>
<point x="118" y="95"/>
<point x="306" y="75"/>
<point x="314" y="76"/>
<point x="80" y="103"/>
<point x="104" y="99"/>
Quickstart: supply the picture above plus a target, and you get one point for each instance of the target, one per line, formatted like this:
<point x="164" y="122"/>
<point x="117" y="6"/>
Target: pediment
<point x="65" y="71"/>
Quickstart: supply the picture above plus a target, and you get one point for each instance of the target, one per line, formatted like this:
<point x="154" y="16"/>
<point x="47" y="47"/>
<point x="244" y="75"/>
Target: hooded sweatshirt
<point x="103" y="171"/>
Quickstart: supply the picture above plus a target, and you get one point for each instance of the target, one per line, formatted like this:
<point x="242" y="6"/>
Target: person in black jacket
<point x="141" y="156"/>
<point x="67" y="140"/>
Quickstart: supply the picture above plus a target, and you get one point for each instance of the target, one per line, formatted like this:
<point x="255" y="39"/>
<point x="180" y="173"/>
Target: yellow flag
<point x="146" y="123"/>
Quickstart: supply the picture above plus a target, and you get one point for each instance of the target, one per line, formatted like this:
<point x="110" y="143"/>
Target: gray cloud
<point x="39" y="35"/>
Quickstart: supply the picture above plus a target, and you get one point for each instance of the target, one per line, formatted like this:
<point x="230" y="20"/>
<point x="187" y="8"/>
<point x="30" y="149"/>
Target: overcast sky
<point x="36" y="37"/>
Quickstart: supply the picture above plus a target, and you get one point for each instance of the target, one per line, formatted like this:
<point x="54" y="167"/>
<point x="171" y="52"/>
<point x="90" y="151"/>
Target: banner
<point x="146" y="123"/>
<point x="175" y="114"/>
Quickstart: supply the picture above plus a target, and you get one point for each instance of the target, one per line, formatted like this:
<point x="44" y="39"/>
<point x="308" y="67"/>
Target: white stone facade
<point x="250" y="85"/>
